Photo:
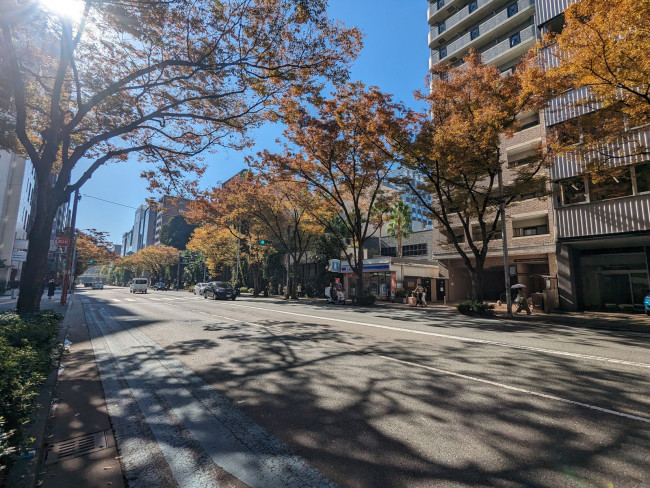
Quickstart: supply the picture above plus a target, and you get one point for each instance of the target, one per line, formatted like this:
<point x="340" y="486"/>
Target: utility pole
<point x="504" y="242"/>
<point x="69" y="251"/>
<point x="178" y="271"/>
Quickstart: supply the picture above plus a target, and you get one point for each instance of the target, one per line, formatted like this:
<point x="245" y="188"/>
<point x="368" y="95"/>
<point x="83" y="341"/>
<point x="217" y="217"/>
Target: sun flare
<point x="70" y="9"/>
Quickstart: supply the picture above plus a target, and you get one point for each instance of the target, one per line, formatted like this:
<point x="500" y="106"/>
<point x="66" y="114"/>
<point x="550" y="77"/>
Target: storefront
<point x="384" y="275"/>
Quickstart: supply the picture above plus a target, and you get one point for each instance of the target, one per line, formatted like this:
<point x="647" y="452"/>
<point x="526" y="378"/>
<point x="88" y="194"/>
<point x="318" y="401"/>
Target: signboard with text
<point x="19" y="255"/>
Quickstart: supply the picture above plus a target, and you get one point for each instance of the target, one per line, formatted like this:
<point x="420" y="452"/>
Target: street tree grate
<point x="78" y="446"/>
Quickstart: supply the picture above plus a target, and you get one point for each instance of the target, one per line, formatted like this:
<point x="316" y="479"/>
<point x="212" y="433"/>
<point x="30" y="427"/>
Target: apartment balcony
<point x="527" y="38"/>
<point x="435" y="14"/>
<point x="616" y="216"/>
<point x="459" y="19"/>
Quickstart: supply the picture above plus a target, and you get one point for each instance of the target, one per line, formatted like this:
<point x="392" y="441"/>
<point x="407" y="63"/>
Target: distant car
<point x="219" y="289"/>
<point x="98" y="286"/>
<point x="198" y="288"/>
<point x="160" y="286"/>
<point x="138" y="285"/>
<point x="646" y="303"/>
<point x="88" y="284"/>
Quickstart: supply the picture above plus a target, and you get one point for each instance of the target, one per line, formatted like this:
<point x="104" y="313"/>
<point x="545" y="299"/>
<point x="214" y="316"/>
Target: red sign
<point x="62" y="241"/>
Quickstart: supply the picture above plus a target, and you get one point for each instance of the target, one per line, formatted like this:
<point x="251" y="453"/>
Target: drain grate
<point x="78" y="446"/>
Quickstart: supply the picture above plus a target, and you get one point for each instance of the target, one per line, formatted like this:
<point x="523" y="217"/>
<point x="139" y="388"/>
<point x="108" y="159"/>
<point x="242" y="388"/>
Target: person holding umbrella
<point x="521" y="301"/>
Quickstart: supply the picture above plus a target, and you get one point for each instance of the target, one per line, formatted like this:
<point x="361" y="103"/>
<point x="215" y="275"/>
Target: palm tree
<point x="399" y="225"/>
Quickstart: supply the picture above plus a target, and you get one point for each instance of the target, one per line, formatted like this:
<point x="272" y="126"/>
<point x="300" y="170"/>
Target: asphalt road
<point x="265" y="393"/>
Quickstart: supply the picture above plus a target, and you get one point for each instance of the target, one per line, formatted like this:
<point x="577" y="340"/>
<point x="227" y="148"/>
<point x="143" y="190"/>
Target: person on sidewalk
<point x="51" y="286"/>
<point x="299" y="290"/>
<point x="522" y="303"/>
<point x="13" y="286"/>
<point x="420" y="296"/>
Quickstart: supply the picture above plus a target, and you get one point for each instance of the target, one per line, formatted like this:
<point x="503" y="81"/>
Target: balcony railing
<point x="619" y="215"/>
<point x="457" y="18"/>
<point x="526" y="35"/>
<point x="489" y="27"/>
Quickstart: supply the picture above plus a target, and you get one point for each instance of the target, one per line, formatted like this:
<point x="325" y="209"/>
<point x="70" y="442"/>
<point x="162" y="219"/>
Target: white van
<point x="139" y="285"/>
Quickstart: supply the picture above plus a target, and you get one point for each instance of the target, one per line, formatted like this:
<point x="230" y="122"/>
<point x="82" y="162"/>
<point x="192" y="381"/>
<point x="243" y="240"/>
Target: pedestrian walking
<point x="420" y="295"/>
<point x="51" y="286"/>
<point x="522" y="303"/>
<point x="299" y="290"/>
<point x="13" y="286"/>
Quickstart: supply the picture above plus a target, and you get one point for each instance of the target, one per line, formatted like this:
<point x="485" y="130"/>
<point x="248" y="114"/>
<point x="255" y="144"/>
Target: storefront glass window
<point x="643" y="177"/>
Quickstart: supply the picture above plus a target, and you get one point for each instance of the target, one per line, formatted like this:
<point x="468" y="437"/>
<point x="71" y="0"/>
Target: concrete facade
<point x="502" y="32"/>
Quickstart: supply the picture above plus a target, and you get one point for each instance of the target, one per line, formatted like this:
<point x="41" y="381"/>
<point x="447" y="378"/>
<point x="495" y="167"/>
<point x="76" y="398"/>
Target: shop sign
<point x="369" y="268"/>
<point x="19" y="256"/>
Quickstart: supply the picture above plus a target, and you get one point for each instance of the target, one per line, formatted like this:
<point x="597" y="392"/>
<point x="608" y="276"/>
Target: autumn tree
<point x="602" y="54"/>
<point x="285" y="208"/>
<point x="93" y="248"/>
<point x="217" y="245"/>
<point x="343" y="150"/>
<point x="160" y="81"/>
<point x="457" y="153"/>
<point x="229" y="208"/>
<point x="151" y="259"/>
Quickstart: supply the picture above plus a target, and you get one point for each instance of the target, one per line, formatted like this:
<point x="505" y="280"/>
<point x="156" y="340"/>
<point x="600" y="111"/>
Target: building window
<point x="473" y="5"/>
<point x="441" y="3"/>
<point x="616" y="183"/>
<point x="441" y="27"/>
<point x="443" y="52"/>
<point x="642" y="177"/>
<point x="515" y="39"/>
<point x="573" y="191"/>
<point x="473" y="34"/>
<point x="530" y="227"/>
<point x="512" y="9"/>
<point x="414" y="250"/>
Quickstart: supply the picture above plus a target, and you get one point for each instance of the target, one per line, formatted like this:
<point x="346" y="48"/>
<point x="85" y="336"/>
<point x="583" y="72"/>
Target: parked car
<point x="138" y="285"/>
<point x="198" y="288"/>
<point x="160" y="286"/>
<point x="98" y="286"/>
<point x="646" y="303"/>
<point x="219" y="289"/>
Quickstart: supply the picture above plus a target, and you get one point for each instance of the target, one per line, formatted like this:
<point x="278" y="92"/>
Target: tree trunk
<point x="477" y="282"/>
<point x="35" y="267"/>
<point x="360" y="272"/>
<point x="296" y="269"/>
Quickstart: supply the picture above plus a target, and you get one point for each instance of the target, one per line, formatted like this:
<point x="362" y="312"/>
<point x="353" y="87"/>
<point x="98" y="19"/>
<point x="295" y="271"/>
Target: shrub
<point x="243" y="289"/>
<point x="26" y="352"/>
<point x="367" y="299"/>
<point x="401" y="293"/>
<point x="251" y="290"/>
<point x="469" y="307"/>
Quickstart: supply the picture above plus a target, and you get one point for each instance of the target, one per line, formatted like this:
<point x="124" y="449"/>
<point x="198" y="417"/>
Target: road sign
<point x="62" y="241"/>
<point x="19" y="256"/>
<point x="335" y="265"/>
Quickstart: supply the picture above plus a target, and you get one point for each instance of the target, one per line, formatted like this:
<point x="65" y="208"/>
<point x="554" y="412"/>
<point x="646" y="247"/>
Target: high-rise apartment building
<point x="501" y="31"/>
<point x="603" y="227"/>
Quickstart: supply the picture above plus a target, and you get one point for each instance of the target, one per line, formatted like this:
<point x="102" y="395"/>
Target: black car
<point x="160" y="286"/>
<point x="219" y="289"/>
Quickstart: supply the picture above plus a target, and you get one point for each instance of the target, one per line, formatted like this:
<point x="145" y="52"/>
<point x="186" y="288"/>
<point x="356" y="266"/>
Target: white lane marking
<point x="116" y="299"/>
<point x="130" y="300"/>
<point x="457" y="338"/>
<point x="459" y="375"/>
<point x="517" y="389"/>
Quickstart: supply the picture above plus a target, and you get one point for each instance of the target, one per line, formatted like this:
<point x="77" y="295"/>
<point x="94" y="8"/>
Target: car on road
<point x="98" y="286"/>
<point x="160" y="286"/>
<point x="198" y="288"/>
<point x="88" y="284"/>
<point x="219" y="289"/>
<point x="138" y="285"/>
<point x="646" y="303"/>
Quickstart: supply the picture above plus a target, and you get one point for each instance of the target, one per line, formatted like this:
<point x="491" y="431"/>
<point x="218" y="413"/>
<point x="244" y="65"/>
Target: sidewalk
<point x="75" y="446"/>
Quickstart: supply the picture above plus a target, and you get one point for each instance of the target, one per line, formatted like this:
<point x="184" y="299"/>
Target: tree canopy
<point x="162" y="80"/>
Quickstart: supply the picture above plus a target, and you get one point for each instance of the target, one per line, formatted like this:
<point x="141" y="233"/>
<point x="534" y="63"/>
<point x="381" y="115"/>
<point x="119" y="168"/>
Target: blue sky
<point x="394" y="58"/>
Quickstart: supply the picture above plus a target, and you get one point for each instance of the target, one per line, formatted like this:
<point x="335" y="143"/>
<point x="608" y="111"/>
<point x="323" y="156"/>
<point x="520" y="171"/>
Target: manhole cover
<point x="78" y="446"/>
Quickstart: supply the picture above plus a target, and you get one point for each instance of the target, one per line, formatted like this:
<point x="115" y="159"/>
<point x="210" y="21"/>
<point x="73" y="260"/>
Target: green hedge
<point x="27" y="349"/>
<point x="475" y="308"/>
